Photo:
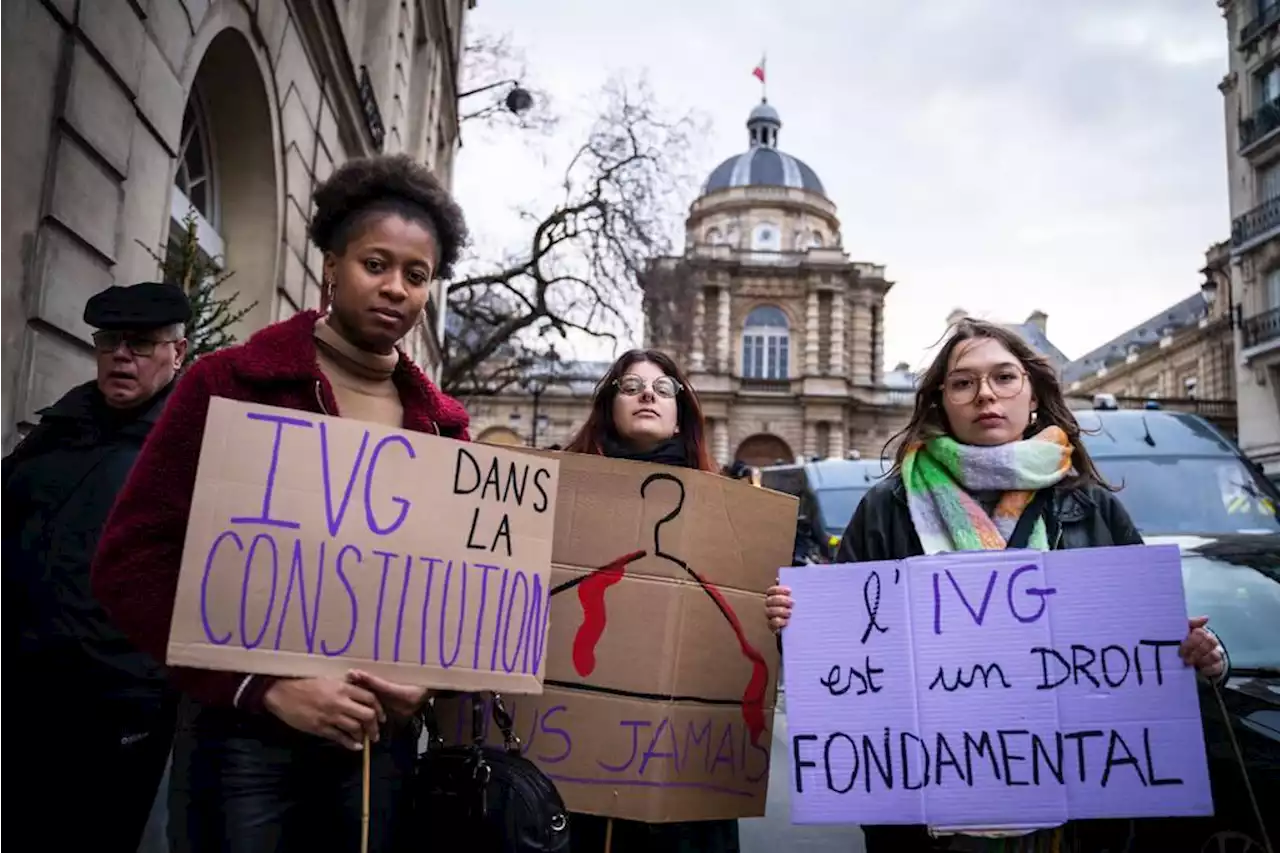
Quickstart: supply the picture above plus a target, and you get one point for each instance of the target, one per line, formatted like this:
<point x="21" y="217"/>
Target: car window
<point x="789" y="480"/>
<point x="1243" y="606"/>
<point x="1170" y="494"/>
<point x="837" y="506"/>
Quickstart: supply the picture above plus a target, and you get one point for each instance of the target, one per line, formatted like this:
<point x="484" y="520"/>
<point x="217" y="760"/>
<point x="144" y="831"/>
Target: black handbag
<point x="492" y="798"/>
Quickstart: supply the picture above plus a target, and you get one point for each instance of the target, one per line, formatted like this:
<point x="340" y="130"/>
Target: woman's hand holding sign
<point x="342" y="712"/>
<point x="402" y="701"/>
<point x="777" y="606"/>
<point x="1202" y="650"/>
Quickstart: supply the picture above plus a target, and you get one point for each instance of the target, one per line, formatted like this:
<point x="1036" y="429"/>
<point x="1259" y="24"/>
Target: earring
<point x="1035" y="416"/>
<point x="326" y="297"/>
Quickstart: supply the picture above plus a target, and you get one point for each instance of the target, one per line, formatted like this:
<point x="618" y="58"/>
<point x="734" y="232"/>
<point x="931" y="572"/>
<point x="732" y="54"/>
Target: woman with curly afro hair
<point x="274" y="764"/>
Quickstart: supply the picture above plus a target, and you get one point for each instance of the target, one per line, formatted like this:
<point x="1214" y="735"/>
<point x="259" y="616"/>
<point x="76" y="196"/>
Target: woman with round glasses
<point x="991" y="437"/>
<point x="645" y="410"/>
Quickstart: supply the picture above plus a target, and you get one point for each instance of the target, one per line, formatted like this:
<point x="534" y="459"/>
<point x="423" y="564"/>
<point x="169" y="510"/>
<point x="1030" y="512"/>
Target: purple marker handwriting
<point x="276" y="580"/>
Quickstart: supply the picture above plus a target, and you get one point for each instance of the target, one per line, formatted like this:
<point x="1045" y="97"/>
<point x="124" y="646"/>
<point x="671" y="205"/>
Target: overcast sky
<point x="997" y="155"/>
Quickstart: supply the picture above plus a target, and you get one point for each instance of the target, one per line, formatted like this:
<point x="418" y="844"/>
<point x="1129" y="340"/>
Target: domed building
<point x="781" y="331"/>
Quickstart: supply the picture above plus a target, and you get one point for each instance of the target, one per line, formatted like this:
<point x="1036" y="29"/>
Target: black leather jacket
<point x="1079" y="517"/>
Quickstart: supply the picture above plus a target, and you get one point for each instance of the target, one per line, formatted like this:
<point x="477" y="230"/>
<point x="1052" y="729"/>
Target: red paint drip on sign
<point x="595" y="616"/>
<point x="753" y="695"/>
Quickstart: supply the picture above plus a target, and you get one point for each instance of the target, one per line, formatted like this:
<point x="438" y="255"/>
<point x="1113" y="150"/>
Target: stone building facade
<point x="1251" y="101"/>
<point x="544" y="411"/>
<point x="786" y="341"/>
<point x="121" y="115"/>
<point x="781" y="333"/>
<point x="1183" y="358"/>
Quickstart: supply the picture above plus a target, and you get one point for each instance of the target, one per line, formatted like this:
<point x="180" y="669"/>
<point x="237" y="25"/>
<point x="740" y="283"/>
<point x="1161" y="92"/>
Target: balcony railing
<point x="1268" y="16"/>
<point x="369" y="104"/>
<point x="777" y="386"/>
<point x="1261" y="220"/>
<point x="1260" y="328"/>
<point x="1259" y="125"/>
<point x="816" y="255"/>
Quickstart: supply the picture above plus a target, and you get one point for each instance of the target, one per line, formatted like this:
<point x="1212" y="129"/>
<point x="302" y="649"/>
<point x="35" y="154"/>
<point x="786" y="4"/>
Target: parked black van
<point x="829" y="491"/>
<point x="1185" y="483"/>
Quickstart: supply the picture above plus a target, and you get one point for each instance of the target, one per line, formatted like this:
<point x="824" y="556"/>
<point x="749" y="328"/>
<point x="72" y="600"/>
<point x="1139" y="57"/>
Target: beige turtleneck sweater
<point x="361" y="380"/>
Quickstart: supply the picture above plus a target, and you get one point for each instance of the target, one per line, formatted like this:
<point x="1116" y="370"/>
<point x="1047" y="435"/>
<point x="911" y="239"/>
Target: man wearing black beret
<point x="98" y="709"/>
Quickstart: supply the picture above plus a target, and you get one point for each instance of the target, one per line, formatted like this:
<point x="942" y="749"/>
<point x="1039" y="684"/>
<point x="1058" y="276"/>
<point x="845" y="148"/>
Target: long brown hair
<point x="929" y="419"/>
<point x="599" y="426"/>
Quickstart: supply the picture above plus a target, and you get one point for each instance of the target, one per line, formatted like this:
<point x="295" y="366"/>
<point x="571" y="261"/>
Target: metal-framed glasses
<point x="962" y="386"/>
<point x="631" y="385"/>
<point x="108" y="340"/>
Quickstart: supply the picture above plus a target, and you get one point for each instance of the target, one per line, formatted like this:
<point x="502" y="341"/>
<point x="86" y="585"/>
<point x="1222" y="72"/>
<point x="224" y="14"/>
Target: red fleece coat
<point x="135" y="571"/>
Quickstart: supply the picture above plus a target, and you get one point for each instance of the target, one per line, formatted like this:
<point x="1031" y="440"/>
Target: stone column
<point x="863" y="350"/>
<point x="839" y="304"/>
<point x="810" y="439"/>
<point x="720" y="441"/>
<point x="835" y="440"/>
<point x="811" y="335"/>
<point x="699" y="330"/>
<point x="877" y="344"/>
<point x="725" y="364"/>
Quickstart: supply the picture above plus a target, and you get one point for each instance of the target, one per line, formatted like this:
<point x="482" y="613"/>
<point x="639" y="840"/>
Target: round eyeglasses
<point x="631" y="385"/>
<point x="962" y="387"/>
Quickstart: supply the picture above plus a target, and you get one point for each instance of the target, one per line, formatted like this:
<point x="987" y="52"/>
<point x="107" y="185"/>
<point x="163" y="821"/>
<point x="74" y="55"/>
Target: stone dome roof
<point x="762" y="164"/>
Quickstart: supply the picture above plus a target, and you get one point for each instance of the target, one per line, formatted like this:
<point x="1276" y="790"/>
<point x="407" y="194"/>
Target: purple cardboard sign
<point x="993" y="689"/>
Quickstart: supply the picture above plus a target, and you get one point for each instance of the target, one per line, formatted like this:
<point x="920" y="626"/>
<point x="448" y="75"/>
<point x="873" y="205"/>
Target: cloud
<point x="1000" y="155"/>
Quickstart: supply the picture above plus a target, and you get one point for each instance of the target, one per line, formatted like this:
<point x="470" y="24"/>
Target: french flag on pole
<point x="758" y="71"/>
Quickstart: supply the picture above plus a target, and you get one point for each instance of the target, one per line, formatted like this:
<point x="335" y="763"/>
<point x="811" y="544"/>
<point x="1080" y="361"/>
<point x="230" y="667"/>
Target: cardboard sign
<point x="993" y="689"/>
<point x="317" y="544"/>
<point x="662" y="669"/>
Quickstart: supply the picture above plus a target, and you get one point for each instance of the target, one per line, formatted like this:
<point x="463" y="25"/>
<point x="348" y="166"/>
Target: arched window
<point x="805" y="240"/>
<point x="195" y="184"/>
<point x="766" y="237"/>
<point x="766" y="341"/>
<point x="714" y="237"/>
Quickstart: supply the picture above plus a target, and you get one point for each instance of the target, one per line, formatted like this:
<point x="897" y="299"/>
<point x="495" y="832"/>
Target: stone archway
<point x="764" y="449"/>
<point x="227" y="79"/>
<point x="500" y="435"/>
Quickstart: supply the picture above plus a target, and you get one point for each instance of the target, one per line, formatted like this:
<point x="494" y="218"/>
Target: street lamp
<point x="518" y="99"/>
<point x="1209" y="289"/>
<point x="535" y="386"/>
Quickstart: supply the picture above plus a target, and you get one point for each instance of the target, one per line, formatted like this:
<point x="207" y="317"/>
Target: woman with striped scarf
<point x="990" y="431"/>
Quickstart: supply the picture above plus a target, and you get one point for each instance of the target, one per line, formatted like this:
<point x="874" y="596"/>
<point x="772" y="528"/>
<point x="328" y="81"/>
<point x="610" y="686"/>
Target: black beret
<point x="149" y="305"/>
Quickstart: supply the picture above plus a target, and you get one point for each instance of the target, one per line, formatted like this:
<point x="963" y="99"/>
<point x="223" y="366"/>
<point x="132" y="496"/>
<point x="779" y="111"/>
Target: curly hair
<point x="361" y="188"/>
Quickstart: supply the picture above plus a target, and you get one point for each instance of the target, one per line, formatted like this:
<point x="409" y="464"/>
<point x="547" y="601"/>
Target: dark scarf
<point x="669" y="452"/>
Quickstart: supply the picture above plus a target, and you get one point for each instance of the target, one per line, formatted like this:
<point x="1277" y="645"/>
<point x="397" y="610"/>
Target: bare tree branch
<point x="623" y="190"/>
<point x="669" y="302"/>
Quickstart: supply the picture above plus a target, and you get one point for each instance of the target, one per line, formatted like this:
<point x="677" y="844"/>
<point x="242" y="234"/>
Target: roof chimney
<point x="1039" y="319"/>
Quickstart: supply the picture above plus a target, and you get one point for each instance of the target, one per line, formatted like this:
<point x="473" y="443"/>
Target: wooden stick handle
<point x="608" y="835"/>
<point x="364" y="800"/>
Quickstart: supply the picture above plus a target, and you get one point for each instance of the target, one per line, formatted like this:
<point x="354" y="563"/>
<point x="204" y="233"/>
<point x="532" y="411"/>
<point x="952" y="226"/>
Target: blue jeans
<point x="257" y="786"/>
